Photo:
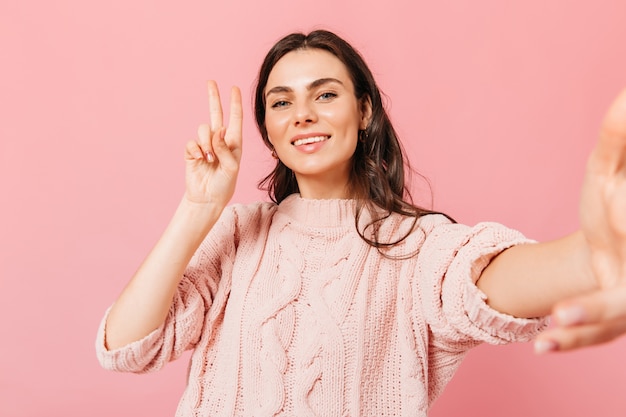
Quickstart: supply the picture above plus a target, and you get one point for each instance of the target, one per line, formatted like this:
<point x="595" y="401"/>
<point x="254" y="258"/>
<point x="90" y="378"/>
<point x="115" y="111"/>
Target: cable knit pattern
<point x="290" y="313"/>
<point x="278" y="322"/>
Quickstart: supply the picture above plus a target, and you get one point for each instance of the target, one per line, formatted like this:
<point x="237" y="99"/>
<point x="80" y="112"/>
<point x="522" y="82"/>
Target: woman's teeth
<point x="313" y="139"/>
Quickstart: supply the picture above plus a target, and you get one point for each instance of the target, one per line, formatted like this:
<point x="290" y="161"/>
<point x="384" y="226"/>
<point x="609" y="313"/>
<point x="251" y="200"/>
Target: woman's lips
<point x="310" y="140"/>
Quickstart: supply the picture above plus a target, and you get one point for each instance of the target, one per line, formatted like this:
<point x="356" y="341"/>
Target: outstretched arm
<point x="581" y="278"/>
<point x="599" y="316"/>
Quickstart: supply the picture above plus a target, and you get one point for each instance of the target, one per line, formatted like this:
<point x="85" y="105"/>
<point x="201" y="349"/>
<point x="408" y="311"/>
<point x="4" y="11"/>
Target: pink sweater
<point x="290" y="313"/>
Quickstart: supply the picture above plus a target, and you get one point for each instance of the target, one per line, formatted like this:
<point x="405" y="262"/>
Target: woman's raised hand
<point x="212" y="164"/>
<point x="212" y="161"/>
<point x="599" y="316"/>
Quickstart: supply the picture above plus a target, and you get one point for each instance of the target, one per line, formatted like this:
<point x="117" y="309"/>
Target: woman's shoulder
<point x="423" y="224"/>
<point x="434" y="219"/>
<point x="242" y="214"/>
<point x="260" y="207"/>
<point x="437" y="230"/>
<point x="240" y="221"/>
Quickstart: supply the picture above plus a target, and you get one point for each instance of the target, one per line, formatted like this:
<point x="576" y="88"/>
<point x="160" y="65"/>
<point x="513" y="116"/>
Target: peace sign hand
<point x="212" y="161"/>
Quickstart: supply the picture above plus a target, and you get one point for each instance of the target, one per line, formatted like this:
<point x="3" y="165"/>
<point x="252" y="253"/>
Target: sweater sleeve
<point x="200" y="293"/>
<point x="457" y="317"/>
<point x="450" y="262"/>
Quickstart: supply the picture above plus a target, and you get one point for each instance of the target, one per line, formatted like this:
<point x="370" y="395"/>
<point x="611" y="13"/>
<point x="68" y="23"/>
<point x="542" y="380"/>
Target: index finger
<point x="599" y="306"/>
<point x="609" y="155"/>
<point x="215" y="106"/>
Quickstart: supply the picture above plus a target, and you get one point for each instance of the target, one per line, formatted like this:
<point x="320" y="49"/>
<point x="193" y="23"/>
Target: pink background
<point x="498" y="104"/>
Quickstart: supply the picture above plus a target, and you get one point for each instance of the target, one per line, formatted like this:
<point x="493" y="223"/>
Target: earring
<point x="363" y="135"/>
<point x="274" y="154"/>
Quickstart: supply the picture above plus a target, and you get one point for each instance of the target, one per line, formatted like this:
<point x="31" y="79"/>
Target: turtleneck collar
<point x="319" y="213"/>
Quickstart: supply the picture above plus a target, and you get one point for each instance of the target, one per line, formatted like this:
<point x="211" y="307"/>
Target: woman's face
<point x="312" y="119"/>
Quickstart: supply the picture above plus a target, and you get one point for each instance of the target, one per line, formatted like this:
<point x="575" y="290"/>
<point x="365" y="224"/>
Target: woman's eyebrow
<point x="311" y="86"/>
<point x="323" y="81"/>
<point x="278" y="89"/>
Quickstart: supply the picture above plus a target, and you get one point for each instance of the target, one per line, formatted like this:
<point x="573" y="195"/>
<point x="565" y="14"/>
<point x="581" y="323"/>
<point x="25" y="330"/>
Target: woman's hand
<point x="212" y="161"/>
<point x="599" y="316"/>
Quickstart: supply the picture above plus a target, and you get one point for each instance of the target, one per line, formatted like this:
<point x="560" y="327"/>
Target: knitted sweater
<point x="291" y="313"/>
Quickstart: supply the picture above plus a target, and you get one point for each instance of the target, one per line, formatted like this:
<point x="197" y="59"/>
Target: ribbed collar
<point x="319" y="213"/>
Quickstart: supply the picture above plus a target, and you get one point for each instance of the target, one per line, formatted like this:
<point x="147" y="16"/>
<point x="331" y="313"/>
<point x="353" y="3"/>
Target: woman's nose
<point x="305" y="114"/>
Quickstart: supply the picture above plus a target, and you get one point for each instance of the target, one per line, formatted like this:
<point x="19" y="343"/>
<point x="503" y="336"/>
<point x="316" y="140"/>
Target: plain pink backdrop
<point x="498" y="104"/>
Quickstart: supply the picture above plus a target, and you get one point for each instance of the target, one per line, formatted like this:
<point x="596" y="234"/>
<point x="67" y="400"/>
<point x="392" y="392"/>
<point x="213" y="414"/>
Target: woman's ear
<point x="366" y="112"/>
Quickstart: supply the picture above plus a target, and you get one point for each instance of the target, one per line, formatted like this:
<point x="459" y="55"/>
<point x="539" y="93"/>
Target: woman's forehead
<point x="301" y="67"/>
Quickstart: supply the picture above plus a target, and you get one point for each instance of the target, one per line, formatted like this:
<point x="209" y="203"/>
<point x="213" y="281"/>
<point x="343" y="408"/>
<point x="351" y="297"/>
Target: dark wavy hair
<point x="377" y="177"/>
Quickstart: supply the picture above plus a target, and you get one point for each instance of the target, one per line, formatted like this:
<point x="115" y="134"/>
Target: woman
<point x="341" y="297"/>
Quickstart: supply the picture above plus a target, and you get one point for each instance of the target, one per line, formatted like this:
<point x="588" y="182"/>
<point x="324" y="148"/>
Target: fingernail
<point x="197" y="155"/>
<point x="210" y="157"/>
<point x="545" y="346"/>
<point x="570" y="315"/>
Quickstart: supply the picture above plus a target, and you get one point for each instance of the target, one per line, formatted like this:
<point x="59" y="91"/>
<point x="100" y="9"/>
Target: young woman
<point x="341" y="297"/>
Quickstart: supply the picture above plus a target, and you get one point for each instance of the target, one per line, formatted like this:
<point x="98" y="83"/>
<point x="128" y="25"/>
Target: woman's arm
<point x="581" y="278"/>
<point x="212" y="164"/>
<point x="144" y="303"/>
<point x="528" y="280"/>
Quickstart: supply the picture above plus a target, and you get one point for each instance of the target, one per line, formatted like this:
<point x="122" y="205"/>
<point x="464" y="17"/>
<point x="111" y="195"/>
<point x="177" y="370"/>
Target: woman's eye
<point x="327" y="96"/>
<point x="280" y="103"/>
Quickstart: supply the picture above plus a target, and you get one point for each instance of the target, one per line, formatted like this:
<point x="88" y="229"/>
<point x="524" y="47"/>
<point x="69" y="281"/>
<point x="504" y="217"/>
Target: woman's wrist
<point x="195" y="219"/>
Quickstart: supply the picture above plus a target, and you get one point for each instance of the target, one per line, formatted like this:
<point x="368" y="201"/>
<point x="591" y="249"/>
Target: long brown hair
<point x="377" y="178"/>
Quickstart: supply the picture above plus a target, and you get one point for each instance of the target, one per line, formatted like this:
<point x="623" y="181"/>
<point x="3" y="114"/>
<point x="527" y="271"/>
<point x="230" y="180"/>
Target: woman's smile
<point x="306" y="140"/>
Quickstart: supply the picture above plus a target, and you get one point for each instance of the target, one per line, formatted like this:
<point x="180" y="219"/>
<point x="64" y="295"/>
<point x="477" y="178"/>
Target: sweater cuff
<point x="503" y="328"/>
<point x="133" y="357"/>
<point x="482" y="322"/>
